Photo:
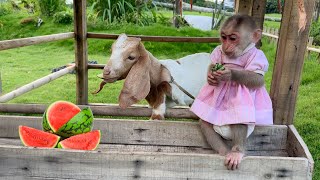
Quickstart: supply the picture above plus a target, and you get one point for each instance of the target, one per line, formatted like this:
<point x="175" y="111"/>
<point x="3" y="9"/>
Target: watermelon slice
<point x="58" y="114"/>
<point x="86" y="141"/>
<point x="37" y="138"/>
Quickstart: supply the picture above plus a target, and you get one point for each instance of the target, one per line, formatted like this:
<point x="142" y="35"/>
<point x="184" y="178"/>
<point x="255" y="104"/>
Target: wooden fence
<point x="273" y="35"/>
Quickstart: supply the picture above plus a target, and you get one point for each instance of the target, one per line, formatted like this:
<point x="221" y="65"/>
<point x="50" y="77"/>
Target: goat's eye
<point x="131" y="58"/>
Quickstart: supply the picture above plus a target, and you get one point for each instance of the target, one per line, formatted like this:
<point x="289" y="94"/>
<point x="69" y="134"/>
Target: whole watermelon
<point x="67" y="119"/>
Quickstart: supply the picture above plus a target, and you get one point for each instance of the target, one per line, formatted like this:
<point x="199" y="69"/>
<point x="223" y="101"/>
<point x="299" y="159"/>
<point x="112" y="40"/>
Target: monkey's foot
<point x="233" y="160"/>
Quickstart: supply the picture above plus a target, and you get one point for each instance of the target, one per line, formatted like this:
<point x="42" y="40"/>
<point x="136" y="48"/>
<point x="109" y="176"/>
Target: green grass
<point x="24" y="65"/>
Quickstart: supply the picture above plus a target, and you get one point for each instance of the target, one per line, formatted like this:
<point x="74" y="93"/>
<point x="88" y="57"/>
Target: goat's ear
<point x="137" y="84"/>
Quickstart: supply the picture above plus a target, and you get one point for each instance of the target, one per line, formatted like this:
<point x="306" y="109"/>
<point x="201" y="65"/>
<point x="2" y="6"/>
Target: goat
<point x="150" y="79"/>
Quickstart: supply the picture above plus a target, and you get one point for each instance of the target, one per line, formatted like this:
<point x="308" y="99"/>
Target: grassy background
<point x="23" y="65"/>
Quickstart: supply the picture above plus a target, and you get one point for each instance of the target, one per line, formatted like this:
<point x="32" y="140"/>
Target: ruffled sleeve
<point x="258" y="63"/>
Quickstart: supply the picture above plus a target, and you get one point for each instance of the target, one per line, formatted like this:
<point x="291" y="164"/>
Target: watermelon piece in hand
<point x="37" y="138"/>
<point x="86" y="141"/>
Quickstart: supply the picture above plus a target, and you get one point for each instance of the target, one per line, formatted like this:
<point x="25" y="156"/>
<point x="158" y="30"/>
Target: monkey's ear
<point x="257" y="35"/>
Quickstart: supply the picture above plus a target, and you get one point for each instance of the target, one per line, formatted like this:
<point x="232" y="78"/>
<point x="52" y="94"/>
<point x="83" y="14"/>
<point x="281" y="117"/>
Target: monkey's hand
<point x="222" y="75"/>
<point x="212" y="80"/>
<point x="233" y="160"/>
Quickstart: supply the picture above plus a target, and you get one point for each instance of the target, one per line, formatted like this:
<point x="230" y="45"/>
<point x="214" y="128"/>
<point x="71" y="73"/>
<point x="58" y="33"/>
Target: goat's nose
<point x="106" y="70"/>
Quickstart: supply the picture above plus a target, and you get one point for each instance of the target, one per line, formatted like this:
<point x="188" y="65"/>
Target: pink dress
<point x="233" y="103"/>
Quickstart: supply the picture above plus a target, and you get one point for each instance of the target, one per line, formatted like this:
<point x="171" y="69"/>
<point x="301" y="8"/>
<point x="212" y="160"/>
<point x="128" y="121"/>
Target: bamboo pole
<point x="35" y="84"/>
<point x="15" y="43"/>
<point x="103" y="110"/>
<point x="158" y="38"/>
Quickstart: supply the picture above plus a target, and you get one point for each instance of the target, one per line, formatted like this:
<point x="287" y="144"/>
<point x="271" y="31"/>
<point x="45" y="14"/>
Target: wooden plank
<point x="170" y="133"/>
<point x="37" y="163"/>
<point x="297" y="147"/>
<point x="81" y="54"/>
<point x="155" y="148"/>
<point x="158" y="38"/>
<point x="258" y="12"/>
<point x="244" y="7"/>
<point x="35" y="84"/>
<point x="270" y="35"/>
<point x="15" y="43"/>
<point x="289" y="61"/>
<point x="313" y="49"/>
<point x="103" y="110"/>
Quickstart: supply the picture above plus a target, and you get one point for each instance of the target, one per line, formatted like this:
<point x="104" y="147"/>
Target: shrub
<point x="315" y="33"/>
<point x="50" y="7"/>
<point x="5" y="8"/>
<point x="63" y="17"/>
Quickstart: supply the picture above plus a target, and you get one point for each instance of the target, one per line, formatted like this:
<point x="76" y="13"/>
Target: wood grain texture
<point x="169" y="133"/>
<point x="297" y="147"/>
<point x="15" y="43"/>
<point x="81" y="53"/>
<point x="156" y="148"/>
<point x="36" y="163"/>
<point x="244" y="7"/>
<point x="289" y="62"/>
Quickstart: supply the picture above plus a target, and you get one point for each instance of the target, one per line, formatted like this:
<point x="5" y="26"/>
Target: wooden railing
<point x="272" y="34"/>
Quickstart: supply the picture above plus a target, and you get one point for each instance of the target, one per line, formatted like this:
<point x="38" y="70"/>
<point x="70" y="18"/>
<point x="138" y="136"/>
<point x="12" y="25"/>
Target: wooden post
<point x="244" y="7"/>
<point x="178" y="13"/>
<point x="258" y="12"/>
<point x="81" y="54"/>
<point x="289" y="61"/>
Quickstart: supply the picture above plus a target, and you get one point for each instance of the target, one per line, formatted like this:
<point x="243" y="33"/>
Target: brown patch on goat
<point x="178" y="62"/>
<point x="157" y="94"/>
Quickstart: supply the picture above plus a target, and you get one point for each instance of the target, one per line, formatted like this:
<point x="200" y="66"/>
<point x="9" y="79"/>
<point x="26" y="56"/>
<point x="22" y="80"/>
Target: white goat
<point x="150" y="79"/>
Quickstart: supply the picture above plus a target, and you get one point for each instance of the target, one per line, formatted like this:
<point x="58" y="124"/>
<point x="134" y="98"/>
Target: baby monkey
<point x="235" y="99"/>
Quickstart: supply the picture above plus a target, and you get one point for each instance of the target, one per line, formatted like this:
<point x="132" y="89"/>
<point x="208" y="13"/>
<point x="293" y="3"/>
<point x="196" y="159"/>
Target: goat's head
<point x="129" y="60"/>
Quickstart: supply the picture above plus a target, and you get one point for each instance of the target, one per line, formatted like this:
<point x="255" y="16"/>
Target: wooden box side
<point x="168" y="133"/>
<point x="296" y="147"/>
<point x="36" y="163"/>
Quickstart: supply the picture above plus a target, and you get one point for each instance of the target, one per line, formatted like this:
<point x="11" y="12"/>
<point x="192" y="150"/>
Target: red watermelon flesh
<point x="60" y="112"/>
<point x="86" y="141"/>
<point x="37" y="138"/>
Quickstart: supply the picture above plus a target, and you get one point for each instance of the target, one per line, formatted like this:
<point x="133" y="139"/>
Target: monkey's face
<point x="230" y="42"/>
<point x="234" y="42"/>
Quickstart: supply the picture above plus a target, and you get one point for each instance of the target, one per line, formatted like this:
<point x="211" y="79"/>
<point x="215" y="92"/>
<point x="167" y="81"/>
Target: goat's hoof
<point x="157" y="117"/>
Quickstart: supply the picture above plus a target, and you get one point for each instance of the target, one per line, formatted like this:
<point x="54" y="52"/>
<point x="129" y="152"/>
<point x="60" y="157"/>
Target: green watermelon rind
<point x="53" y="146"/>
<point x="79" y="124"/>
<point x="60" y="146"/>
<point x="45" y="125"/>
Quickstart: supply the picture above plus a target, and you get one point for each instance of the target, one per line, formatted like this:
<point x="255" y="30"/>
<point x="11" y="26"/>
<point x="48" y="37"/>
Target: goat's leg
<point x="159" y="111"/>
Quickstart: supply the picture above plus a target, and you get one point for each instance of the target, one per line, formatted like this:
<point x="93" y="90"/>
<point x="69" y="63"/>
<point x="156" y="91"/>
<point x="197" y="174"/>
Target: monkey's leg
<point x="213" y="138"/>
<point x="239" y="136"/>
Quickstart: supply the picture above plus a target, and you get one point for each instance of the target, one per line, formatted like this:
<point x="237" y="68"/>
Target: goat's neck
<point x="158" y="73"/>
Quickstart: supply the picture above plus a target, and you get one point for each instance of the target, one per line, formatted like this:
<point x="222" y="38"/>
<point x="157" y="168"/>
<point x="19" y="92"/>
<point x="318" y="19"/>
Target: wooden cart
<point x="132" y="149"/>
<point x="163" y="149"/>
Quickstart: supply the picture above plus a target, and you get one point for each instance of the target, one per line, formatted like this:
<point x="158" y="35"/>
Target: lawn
<point x="24" y="65"/>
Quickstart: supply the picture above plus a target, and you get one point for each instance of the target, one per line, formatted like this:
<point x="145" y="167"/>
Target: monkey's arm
<point x="247" y="78"/>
